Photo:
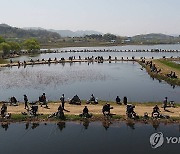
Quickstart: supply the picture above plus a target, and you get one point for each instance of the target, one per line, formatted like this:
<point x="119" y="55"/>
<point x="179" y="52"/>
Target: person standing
<point x="125" y="100"/>
<point x="26" y="102"/>
<point x="165" y="103"/>
<point x="62" y="99"/>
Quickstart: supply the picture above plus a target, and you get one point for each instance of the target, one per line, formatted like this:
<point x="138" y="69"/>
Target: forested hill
<point x="7" y="31"/>
<point x="155" y="38"/>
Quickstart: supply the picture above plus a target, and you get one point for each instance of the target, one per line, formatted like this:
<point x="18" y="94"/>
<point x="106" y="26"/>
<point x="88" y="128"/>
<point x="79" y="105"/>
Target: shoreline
<point x="96" y="118"/>
<point x="97" y="44"/>
<point x="118" y="111"/>
<point x="164" y="71"/>
<point x="63" y="61"/>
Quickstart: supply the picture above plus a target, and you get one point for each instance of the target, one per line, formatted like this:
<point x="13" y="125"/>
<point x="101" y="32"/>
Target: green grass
<point x="118" y="117"/>
<point x="73" y="117"/>
<point x="18" y="117"/>
<point x="96" y="117"/>
<point x="160" y="77"/>
<point x="3" y="61"/>
<point x="102" y="102"/>
<point x="113" y="103"/>
<point x="170" y="64"/>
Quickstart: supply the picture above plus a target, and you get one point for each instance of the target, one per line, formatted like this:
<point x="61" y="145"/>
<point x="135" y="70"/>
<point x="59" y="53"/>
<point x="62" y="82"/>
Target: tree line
<point x="11" y="47"/>
<point x="105" y="37"/>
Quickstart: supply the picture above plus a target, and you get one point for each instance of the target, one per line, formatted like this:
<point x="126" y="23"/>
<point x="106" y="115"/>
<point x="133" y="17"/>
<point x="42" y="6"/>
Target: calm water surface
<point x="105" y="81"/>
<point x="107" y="54"/>
<point x="96" y="137"/>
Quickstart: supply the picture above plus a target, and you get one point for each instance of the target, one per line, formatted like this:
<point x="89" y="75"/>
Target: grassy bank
<point x="103" y="102"/>
<point x="72" y="112"/>
<point x="3" y="61"/>
<point x="161" y="76"/>
<point x="170" y="64"/>
<point x="96" y="117"/>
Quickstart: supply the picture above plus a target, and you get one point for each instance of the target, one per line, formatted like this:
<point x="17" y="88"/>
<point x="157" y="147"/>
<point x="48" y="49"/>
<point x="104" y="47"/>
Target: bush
<point x="6" y="48"/>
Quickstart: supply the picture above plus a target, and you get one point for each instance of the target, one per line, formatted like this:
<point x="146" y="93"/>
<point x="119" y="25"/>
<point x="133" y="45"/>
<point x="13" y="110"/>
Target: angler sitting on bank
<point x="42" y="100"/>
<point x="106" y="109"/>
<point x="85" y="113"/>
<point x="172" y="75"/>
<point x="4" y="113"/>
<point x="3" y="110"/>
<point x="131" y="113"/>
<point x="92" y="100"/>
<point x="156" y="111"/>
<point x="59" y="113"/>
<point x="118" y="100"/>
<point x="13" y="101"/>
<point x="33" y="111"/>
<point x="75" y="100"/>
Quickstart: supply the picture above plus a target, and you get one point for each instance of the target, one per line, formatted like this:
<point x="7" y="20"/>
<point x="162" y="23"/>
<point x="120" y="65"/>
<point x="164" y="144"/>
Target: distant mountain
<point x="154" y="38"/>
<point x="63" y="33"/>
<point x="14" y="32"/>
<point x="79" y="33"/>
<point x="44" y="35"/>
<point x="175" y="35"/>
<point x="67" y="33"/>
<point x="4" y="25"/>
<point x="33" y="28"/>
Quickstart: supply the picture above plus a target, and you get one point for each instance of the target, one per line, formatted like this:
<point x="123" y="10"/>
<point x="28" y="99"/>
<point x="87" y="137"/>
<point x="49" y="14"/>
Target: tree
<point x="109" y="37"/>
<point x="14" y="46"/>
<point x="94" y="36"/>
<point x="6" y="48"/>
<point x="32" y="45"/>
<point x="1" y="39"/>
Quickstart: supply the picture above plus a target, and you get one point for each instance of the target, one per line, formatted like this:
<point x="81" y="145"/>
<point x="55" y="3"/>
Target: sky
<point x="120" y="17"/>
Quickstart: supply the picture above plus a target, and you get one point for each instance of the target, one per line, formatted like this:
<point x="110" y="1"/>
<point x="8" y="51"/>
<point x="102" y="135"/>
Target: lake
<point x="104" y="80"/>
<point x="107" y="54"/>
<point x="84" y="137"/>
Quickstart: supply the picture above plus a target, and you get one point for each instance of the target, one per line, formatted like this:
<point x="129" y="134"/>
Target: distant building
<point x="126" y="41"/>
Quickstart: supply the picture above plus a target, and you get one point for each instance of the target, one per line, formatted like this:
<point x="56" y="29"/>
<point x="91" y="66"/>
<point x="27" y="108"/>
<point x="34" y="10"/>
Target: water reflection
<point x="27" y="125"/>
<point x="155" y="124"/>
<point x="106" y="124"/>
<point x="61" y="125"/>
<point x="47" y="140"/>
<point x="5" y="126"/>
<point x="34" y="125"/>
<point x="131" y="125"/>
